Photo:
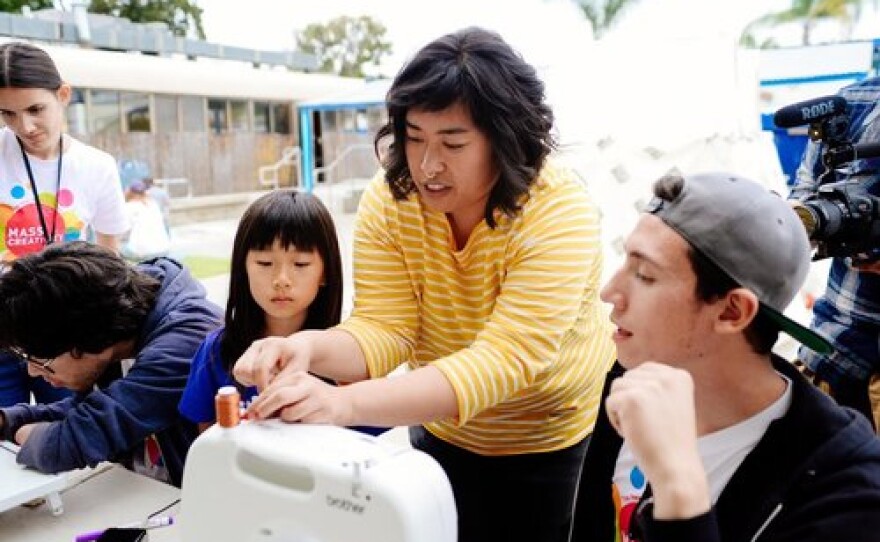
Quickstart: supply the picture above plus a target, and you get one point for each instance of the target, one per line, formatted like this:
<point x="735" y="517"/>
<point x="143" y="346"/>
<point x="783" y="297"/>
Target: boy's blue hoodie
<point x="111" y="422"/>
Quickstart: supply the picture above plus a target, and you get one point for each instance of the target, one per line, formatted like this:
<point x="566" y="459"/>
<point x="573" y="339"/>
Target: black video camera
<point x="842" y="218"/>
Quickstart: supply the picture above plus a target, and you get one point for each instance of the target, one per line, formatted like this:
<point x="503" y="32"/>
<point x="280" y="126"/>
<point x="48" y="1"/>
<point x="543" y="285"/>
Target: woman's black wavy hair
<point x="503" y="95"/>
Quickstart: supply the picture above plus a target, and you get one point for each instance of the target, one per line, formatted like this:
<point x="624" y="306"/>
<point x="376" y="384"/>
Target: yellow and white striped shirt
<point x="513" y="319"/>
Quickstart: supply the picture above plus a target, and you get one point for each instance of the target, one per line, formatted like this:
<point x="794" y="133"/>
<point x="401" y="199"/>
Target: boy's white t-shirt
<point x="90" y="196"/>
<point x="722" y="452"/>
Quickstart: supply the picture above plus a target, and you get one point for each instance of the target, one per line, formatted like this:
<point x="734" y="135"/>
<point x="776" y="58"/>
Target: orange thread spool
<point x="226" y="403"/>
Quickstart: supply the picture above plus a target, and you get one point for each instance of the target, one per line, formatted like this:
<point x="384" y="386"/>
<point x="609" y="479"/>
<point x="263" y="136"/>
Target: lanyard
<point x="50" y="238"/>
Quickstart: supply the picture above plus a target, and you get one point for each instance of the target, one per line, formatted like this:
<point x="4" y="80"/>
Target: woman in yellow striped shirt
<point x="477" y="263"/>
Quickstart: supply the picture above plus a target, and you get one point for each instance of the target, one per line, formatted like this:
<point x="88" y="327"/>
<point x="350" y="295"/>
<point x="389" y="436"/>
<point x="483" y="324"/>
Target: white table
<point x="105" y="497"/>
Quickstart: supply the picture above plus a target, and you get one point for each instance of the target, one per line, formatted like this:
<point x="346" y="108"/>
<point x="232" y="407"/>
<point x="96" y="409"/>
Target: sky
<point x="667" y="60"/>
<point x="532" y="26"/>
<point x="527" y="24"/>
<point x="670" y="77"/>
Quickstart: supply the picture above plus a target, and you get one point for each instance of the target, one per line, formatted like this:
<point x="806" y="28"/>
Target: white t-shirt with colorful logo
<point x="722" y="452"/>
<point x="90" y="196"/>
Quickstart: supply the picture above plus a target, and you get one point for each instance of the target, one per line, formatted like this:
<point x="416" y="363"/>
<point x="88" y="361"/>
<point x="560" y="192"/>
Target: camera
<point x="842" y="218"/>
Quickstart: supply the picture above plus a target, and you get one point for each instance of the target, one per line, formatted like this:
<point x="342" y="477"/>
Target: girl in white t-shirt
<point x="53" y="188"/>
<point x="148" y="237"/>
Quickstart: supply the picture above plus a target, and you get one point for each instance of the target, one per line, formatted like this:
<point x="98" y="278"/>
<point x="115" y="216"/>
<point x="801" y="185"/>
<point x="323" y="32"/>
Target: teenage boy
<point x="704" y="434"/>
<point x="118" y="335"/>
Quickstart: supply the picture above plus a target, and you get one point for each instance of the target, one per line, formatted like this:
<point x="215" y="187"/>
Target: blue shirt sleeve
<point x="206" y="376"/>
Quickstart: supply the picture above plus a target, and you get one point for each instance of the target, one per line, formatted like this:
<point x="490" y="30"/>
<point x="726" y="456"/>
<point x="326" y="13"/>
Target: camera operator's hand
<point x="872" y="267"/>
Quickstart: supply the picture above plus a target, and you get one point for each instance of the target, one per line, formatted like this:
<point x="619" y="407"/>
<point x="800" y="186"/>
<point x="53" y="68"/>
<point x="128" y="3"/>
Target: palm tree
<point x="603" y="14"/>
<point x="808" y="13"/>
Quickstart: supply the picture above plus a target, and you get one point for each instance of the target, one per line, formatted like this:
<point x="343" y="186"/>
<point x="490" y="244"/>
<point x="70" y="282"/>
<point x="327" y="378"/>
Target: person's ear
<point x="740" y="306"/>
<point x="63" y="93"/>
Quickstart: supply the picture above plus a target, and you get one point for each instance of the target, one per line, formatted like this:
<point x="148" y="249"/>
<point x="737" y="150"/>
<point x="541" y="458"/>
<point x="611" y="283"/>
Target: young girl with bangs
<point x="286" y="276"/>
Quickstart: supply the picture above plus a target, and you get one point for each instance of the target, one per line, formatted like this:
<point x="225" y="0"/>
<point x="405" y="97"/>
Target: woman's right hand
<point x="267" y="358"/>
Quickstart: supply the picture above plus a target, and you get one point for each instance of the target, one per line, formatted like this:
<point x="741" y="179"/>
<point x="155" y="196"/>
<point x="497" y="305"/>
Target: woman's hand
<point x="267" y="358"/>
<point x="297" y="396"/>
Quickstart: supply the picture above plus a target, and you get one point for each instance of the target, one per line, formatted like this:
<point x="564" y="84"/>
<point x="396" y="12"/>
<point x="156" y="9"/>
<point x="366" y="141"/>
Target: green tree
<point x="345" y="44"/>
<point x="603" y="14"/>
<point x="181" y="16"/>
<point x="14" y="6"/>
<point x="807" y="13"/>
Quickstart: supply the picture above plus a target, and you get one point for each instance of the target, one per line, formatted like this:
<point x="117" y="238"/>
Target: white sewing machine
<point x="272" y="481"/>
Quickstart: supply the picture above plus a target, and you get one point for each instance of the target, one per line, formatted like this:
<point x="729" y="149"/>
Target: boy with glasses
<point x="45" y="365"/>
<point x="121" y="337"/>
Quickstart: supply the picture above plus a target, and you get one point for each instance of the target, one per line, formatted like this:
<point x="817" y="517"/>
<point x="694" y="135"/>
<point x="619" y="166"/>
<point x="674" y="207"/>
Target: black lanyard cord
<point x="50" y="238"/>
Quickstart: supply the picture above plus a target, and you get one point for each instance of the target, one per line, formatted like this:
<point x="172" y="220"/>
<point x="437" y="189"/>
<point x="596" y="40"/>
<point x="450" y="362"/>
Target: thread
<point x="226" y="402"/>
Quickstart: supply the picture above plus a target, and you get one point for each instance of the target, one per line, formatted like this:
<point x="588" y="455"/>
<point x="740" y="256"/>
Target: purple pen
<point x="89" y="536"/>
<point x="151" y="523"/>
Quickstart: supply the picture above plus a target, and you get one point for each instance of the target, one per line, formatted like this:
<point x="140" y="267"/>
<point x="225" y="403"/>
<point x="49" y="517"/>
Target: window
<point x="136" y="108"/>
<point x="360" y="120"/>
<point x="239" y="116"/>
<point x="262" y="118"/>
<point x="105" y="112"/>
<point x="192" y="114"/>
<point x="328" y="120"/>
<point x="281" y="118"/>
<point x="165" y="110"/>
<point x="217" y="121"/>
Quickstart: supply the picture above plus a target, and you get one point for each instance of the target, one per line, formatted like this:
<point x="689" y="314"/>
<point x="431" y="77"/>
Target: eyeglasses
<point x="42" y="364"/>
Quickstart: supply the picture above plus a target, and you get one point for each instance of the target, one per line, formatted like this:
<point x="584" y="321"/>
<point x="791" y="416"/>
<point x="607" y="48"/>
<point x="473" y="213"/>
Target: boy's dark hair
<point x="72" y="297"/>
<point x="712" y="282"/>
<point x="295" y="219"/>
<point x="501" y="92"/>
<point x="24" y="66"/>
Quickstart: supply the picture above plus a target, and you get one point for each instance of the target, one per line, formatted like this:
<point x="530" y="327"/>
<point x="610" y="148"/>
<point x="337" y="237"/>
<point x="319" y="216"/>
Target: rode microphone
<point x="809" y="111"/>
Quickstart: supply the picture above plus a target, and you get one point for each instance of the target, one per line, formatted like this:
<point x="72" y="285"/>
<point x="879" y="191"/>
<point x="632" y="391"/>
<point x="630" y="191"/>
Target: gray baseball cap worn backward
<point x="752" y="234"/>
